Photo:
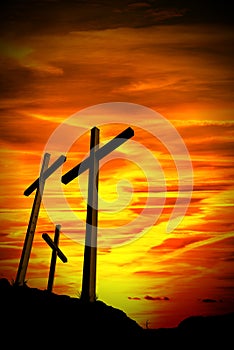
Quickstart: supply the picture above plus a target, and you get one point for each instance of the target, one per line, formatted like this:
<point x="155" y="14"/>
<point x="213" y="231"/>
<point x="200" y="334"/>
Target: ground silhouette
<point x="34" y="318"/>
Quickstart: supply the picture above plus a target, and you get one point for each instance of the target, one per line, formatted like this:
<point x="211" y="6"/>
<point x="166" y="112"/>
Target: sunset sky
<point x="79" y="64"/>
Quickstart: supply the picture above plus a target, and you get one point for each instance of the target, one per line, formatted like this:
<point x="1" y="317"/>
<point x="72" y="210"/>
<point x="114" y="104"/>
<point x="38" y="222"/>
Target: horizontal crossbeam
<point x="45" y="175"/>
<point x="100" y="153"/>
<point x="52" y="245"/>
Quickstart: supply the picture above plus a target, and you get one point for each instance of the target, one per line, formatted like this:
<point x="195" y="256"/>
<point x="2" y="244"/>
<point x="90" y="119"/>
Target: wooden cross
<point x="38" y="184"/>
<point x="92" y="164"/>
<point x="55" y="252"/>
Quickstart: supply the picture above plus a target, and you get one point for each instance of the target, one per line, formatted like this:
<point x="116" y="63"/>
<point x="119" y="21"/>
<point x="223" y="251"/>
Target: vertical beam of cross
<point x="90" y="251"/>
<point x="55" y="252"/>
<point x="53" y="260"/>
<point x="39" y="185"/>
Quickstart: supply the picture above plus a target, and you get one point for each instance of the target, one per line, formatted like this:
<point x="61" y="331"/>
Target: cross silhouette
<point x="56" y="251"/>
<point x="38" y="184"/>
<point x="91" y="163"/>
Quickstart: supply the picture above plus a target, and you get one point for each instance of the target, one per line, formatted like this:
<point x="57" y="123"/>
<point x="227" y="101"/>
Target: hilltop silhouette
<point x="31" y="318"/>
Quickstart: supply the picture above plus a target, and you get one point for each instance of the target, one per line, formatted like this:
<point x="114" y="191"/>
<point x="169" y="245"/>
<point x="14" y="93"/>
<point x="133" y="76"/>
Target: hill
<point x="33" y="317"/>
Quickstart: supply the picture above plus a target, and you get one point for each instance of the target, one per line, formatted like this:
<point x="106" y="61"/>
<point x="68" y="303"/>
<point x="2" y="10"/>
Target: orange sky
<point x="57" y="63"/>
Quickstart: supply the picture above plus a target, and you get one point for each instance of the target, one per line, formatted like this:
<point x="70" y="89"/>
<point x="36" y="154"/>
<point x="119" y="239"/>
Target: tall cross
<point x="39" y="185"/>
<point x="55" y="252"/>
<point x="91" y="163"/>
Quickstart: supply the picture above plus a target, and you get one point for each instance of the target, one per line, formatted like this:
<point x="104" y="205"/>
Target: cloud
<point x="134" y="298"/>
<point x="15" y="130"/>
<point x="104" y="251"/>
<point x="26" y="18"/>
<point x="207" y="300"/>
<point x="16" y="80"/>
<point x="148" y="297"/>
<point x="216" y="140"/>
<point x="154" y="274"/>
<point x="9" y="251"/>
<point x="172" y="244"/>
<point x="35" y="69"/>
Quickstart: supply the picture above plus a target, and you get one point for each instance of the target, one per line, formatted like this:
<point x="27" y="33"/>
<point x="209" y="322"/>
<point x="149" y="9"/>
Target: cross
<point x="55" y="252"/>
<point x="38" y="184"/>
<point x="91" y="163"/>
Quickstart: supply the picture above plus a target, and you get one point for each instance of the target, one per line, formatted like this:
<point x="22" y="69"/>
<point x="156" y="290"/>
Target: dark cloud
<point x="15" y="80"/>
<point x="134" y="298"/>
<point x="199" y="11"/>
<point x="148" y="297"/>
<point x="209" y="300"/>
<point x="27" y="17"/>
<point x="14" y="129"/>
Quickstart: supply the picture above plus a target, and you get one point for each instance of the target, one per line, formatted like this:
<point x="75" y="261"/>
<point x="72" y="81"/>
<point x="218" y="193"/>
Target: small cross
<point x="55" y="252"/>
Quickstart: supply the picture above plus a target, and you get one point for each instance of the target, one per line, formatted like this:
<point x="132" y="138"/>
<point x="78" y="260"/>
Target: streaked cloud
<point x="148" y="297"/>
